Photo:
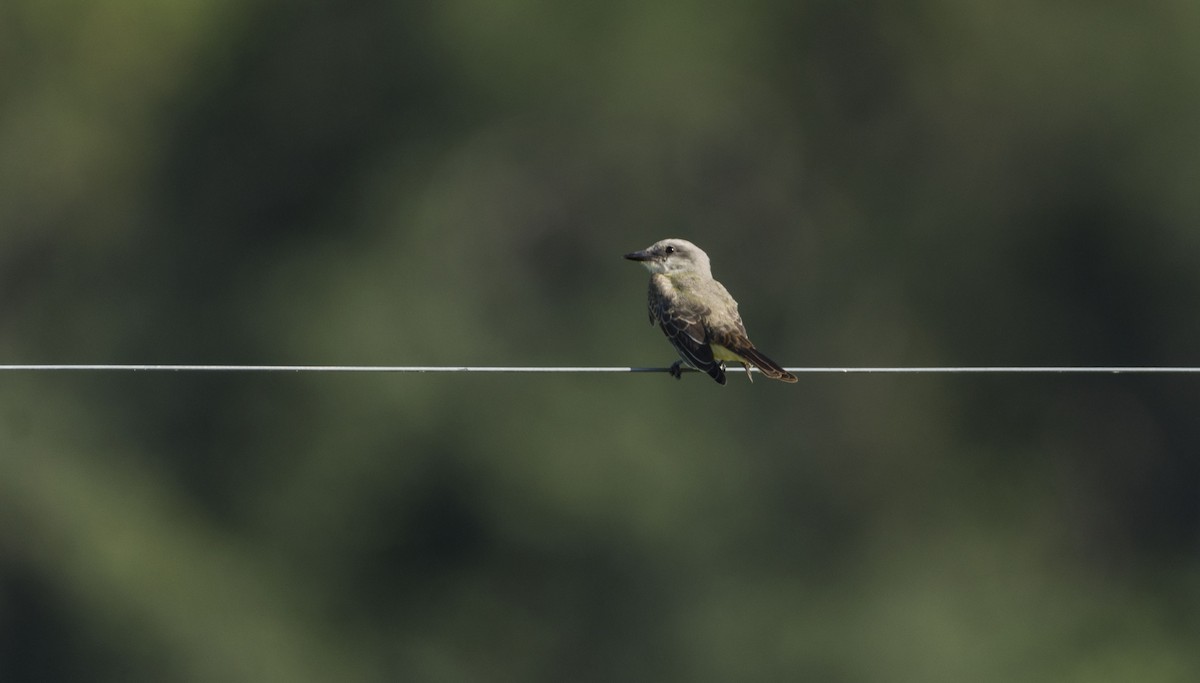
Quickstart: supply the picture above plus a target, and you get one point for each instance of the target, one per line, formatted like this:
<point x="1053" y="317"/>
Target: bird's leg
<point x="749" y="374"/>
<point x="676" y="369"/>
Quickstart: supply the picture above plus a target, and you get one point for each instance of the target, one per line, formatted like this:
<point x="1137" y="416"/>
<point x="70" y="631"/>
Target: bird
<point x="697" y="313"/>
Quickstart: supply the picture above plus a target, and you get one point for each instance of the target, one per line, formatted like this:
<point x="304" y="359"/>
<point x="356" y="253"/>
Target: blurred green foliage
<point x="373" y="182"/>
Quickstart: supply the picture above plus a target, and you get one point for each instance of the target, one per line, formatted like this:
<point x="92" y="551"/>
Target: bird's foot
<point x="749" y="372"/>
<point x="676" y="370"/>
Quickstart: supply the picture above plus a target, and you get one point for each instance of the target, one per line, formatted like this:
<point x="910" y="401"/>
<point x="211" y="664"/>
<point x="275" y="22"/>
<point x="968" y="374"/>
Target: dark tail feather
<point x="768" y="367"/>
<point x="717" y="372"/>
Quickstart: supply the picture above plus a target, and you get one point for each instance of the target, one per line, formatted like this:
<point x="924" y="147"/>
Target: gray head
<point x="673" y="256"/>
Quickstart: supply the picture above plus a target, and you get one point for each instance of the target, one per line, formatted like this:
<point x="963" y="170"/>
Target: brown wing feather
<point x="683" y="324"/>
<point x="769" y="367"/>
<point x="739" y="343"/>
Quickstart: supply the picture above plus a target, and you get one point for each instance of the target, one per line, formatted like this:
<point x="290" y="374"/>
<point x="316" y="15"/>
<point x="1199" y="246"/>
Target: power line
<point x="418" y="369"/>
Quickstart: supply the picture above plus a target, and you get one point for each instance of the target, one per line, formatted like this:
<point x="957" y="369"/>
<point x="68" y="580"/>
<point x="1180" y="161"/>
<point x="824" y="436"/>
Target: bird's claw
<point x="676" y="370"/>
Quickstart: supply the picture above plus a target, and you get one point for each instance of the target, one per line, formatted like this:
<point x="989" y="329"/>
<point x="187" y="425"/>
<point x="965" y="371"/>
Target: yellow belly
<point x="722" y="353"/>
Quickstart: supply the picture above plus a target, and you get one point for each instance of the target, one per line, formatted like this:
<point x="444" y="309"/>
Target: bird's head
<point x="672" y="256"/>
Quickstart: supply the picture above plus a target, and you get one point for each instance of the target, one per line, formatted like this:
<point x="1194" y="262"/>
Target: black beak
<point x="639" y="256"/>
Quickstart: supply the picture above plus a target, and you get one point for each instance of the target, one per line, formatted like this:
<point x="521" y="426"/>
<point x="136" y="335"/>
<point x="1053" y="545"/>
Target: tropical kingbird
<point x="697" y="313"/>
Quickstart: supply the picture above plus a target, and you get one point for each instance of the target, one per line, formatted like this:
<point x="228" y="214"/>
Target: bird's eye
<point x="670" y="249"/>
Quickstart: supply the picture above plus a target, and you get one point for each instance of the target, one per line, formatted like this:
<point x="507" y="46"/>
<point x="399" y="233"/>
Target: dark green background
<point x="449" y="183"/>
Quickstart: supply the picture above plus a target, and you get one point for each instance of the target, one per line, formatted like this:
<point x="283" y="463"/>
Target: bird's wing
<point x="728" y="331"/>
<point x="682" y="320"/>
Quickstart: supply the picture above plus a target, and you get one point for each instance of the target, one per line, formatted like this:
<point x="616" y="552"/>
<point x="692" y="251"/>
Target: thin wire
<point x="1114" y="370"/>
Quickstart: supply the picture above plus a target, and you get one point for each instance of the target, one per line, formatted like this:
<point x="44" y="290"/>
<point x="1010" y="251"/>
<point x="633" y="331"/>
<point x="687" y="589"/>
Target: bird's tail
<point x="768" y="367"/>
